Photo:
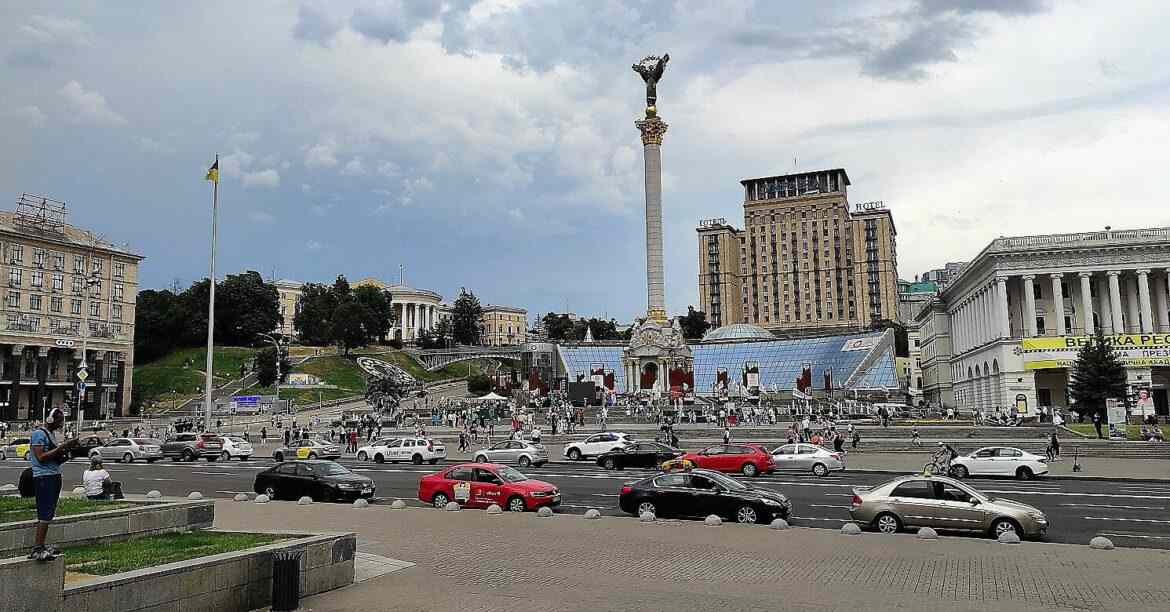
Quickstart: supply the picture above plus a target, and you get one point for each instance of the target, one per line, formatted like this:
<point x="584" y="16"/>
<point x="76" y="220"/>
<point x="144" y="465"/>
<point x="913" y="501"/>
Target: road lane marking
<point x="1067" y="494"/>
<point x="606" y="494"/>
<point x="1128" y="520"/>
<point x="828" y="506"/>
<point x="158" y="479"/>
<point x="1134" y="535"/>
<point x="214" y="473"/>
<point x="1115" y="507"/>
<point x="813" y="518"/>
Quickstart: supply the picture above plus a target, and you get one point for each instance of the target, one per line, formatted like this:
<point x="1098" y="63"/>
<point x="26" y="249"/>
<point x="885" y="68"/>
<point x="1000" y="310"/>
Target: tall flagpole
<point x="207" y="387"/>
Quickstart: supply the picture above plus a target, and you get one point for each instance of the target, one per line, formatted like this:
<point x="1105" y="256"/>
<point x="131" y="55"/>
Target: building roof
<point x="738" y="331"/>
<point x="917" y="287"/>
<point x="502" y="308"/>
<point x="810" y="172"/>
<point x="69" y="235"/>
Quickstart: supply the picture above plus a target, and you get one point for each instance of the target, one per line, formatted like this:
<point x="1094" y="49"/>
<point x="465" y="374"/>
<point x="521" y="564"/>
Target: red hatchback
<point x="748" y="459"/>
<point x="479" y="485"/>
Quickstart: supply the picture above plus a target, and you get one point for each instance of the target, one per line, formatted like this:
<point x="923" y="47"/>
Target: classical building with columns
<point x="414" y="309"/>
<point x="64" y="288"/>
<point x="1021" y="309"/>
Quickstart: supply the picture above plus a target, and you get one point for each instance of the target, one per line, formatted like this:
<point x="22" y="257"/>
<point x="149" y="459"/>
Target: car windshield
<point x="329" y="469"/>
<point x="730" y="484"/>
<point x="237" y="440"/>
<point x="508" y="474"/>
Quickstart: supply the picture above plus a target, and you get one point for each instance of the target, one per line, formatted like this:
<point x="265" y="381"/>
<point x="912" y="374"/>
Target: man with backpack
<point x="46" y="457"/>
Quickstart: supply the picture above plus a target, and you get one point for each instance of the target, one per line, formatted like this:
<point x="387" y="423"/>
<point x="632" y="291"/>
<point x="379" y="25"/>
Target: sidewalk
<point x="471" y="560"/>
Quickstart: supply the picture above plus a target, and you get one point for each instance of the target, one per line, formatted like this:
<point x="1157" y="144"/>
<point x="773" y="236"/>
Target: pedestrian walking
<point x="462" y="441"/>
<point x="1053" y="450"/>
<point x="914" y="437"/>
<point x="46" y="457"/>
<point x="726" y="435"/>
<point x="1097" y="424"/>
<point x="264" y="435"/>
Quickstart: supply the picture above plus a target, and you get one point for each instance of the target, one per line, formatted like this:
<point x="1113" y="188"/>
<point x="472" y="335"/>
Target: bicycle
<point x="937" y="467"/>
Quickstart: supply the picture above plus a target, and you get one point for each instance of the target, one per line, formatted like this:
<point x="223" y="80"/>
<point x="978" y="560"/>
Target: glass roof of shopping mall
<point x="779" y="361"/>
<point x="738" y="331"/>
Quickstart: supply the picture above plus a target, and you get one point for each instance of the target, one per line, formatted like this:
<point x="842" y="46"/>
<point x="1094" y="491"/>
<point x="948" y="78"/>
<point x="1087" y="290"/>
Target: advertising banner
<point x="1133" y="350"/>
<point x="1115" y="413"/>
<point x="860" y="344"/>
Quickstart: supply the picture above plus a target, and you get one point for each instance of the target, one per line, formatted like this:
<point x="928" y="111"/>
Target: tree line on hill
<point x="561" y="328"/>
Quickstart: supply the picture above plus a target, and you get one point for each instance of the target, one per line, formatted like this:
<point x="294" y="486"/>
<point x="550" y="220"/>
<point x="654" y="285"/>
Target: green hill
<point x="179" y="375"/>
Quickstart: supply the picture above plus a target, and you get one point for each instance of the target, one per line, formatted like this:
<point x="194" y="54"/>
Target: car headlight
<point x="1038" y="516"/>
<point x="541" y="493"/>
<point x="349" y="485"/>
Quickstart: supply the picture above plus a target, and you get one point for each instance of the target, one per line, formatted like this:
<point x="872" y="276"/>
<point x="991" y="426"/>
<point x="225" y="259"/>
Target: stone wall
<point x="142" y="519"/>
<point x="31" y="586"/>
<point x="230" y="581"/>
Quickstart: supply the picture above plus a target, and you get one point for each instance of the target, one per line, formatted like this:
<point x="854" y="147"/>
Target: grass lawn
<point x="416" y="369"/>
<point x="165" y="374"/>
<point x="1132" y="433"/>
<point x="14" y="509"/>
<point x="339" y="371"/>
<point x="116" y="557"/>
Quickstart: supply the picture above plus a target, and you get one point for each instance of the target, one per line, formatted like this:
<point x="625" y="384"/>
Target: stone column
<point x="1029" y="306"/>
<point x="652" y="129"/>
<point x="1001" y="309"/>
<point x="120" y="380"/>
<point x="14" y="392"/>
<point x="1058" y="304"/>
<point x="1161" y="317"/>
<point x="99" y="375"/>
<point x="984" y="316"/>
<point x="42" y="374"/>
<point x="1143" y="285"/>
<point x="1115" y="301"/>
<point x="402" y="320"/>
<point x="1103" y="305"/>
<point x="1132" y="313"/>
<point x="1086" y="303"/>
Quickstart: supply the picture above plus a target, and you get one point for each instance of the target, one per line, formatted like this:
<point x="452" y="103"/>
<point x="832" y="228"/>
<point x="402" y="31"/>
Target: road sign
<point x="82" y="375"/>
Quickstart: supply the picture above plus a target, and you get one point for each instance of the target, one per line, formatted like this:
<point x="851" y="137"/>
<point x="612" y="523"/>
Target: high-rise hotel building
<point x="806" y="262"/>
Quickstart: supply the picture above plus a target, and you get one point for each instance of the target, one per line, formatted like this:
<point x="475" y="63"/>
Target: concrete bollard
<point x="544" y="512"/>
<point x="79" y="491"/>
<point x="495" y="509"/>
<point x="851" y="529"/>
<point x="154" y="494"/>
<point x="261" y="499"/>
<point x="646" y="517"/>
<point x="1101" y="543"/>
<point x="926" y="533"/>
<point x="360" y="503"/>
<point x="592" y="513"/>
<point x="1009" y="537"/>
<point x="778" y="524"/>
<point x="8" y="487"/>
<point x="397" y="504"/>
<point x="451" y="507"/>
<point x="194" y="495"/>
<point x="712" y="520"/>
<point x="305" y="500"/>
<point x="241" y="497"/>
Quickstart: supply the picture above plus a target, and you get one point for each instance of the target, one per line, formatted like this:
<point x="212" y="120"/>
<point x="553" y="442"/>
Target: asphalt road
<point x="1135" y="514"/>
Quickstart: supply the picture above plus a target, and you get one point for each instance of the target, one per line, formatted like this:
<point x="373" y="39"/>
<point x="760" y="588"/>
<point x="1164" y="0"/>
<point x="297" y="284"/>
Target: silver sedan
<point x="808" y="458"/>
<point x="522" y="453"/>
<point x="129" y="450"/>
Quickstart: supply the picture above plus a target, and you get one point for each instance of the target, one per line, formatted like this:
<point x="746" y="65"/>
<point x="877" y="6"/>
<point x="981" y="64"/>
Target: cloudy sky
<point x="490" y="143"/>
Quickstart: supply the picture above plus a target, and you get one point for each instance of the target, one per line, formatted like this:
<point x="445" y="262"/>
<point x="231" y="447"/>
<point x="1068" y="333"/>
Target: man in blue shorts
<point x="46" y="457"/>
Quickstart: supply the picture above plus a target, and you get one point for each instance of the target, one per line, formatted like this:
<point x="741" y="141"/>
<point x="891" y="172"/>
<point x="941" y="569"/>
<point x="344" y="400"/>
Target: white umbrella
<point x="491" y="396"/>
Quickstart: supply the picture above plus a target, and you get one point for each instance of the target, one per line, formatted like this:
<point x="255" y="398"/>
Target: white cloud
<point x="31" y="115"/>
<point x="56" y="31"/>
<point x="321" y="155"/>
<point x="234" y="164"/>
<point x="354" y="168"/>
<point x="260" y="216"/>
<point x="263" y="178"/>
<point x="89" y="106"/>
<point x="389" y="169"/>
<point x="313" y="245"/>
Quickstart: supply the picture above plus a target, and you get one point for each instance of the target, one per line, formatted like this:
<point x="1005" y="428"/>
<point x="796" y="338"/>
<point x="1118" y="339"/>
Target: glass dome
<point x="738" y="331"/>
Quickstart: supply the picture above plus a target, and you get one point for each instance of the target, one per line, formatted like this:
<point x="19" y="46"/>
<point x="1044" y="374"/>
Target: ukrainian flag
<point x="213" y="172"/>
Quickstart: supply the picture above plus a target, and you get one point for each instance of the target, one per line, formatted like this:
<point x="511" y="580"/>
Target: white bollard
<point x="926" y="533"/>
<point x="154" y="494"/>
<point x="305" y="500"/>
<point x="1101" y="543"/>
<point x="1009" y="537"/>
<point x="646" y="517"/>
<point x="592" y="513"/>
<point x="495" y="509"/>
<point x="544" y="512"/>
<point x="241" y="497"/>
<point x="397" y="504"/>
<point x="360" y="503"/>
<point x="850" y="529"/>
<point x="452" y="507"/>
<point x="712" y="520"/>
<point x="261" y="499"/>
<point x="778" y="524"/>
<point x="194" y="495"/>
<point x="79" y="491"/>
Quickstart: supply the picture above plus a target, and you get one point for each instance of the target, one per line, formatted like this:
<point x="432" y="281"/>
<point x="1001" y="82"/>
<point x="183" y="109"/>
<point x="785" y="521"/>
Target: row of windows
<point x="56" y="304"/>
<point x="41" y="258"/>
<point x="32" y="324"/>
<point x="57" y="283"/>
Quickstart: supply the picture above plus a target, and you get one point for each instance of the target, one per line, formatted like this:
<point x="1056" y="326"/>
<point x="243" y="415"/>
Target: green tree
<point x="442" y="333"/>
<point x="603" y="330"/>
<point x="479" y="384"/>
<point x="465" y="318"/>
<point x="694" y="324"/>
<point x="158" y="324"/>
<point x="314" y="321"/>
<point x="377" y="301"/>
<point x="558" y="327"/>
<point x="348" y="328"/>
<point x="1097" y="375"/>
<point x="341" y="288"/>
<point x="245" y="306"/>
<point x="266" y="366"/>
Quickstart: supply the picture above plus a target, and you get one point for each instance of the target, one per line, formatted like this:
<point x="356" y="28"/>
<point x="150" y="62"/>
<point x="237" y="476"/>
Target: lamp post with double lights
<point x="91" y="280"/>
<point x="275" y="340"/>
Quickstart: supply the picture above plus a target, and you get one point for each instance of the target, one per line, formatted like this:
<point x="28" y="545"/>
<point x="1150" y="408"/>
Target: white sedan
<point x="596" y="444"/>
<point x="414" y="450"/>
<point x="999" y="461"/>
<point x="236" y="448"/>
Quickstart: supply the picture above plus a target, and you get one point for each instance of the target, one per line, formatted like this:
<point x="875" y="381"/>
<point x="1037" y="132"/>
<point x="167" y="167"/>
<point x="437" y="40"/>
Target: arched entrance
<point x="649" y="375"/>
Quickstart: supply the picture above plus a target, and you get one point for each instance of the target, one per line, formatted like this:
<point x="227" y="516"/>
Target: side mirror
<point x="974" y="501"/>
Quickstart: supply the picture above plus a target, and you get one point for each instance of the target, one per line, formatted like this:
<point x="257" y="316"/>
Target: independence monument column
<point x="652" y="129"/>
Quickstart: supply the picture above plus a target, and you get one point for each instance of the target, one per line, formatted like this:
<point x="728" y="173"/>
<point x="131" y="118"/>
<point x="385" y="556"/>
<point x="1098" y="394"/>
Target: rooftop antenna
<point x="402" y="275"/>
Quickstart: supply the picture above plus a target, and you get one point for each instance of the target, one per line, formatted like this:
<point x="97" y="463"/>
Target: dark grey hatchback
<point x="320" y="480"/>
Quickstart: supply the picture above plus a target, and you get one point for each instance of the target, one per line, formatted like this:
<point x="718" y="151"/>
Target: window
<point x="38" y="278"/>
<point x="55" y="304"/>
<point x="119" y="290"/>
<point x="671" y="480"/>
<point x="75" y="306"/>
<point x="39" y="258"/>
<point x="15" y="277"/>
<point x="1036" y="292"/>
<point x="1039" y="325"/>
<point x="77" y="284"/>
<point x="58" y="261"/>
<point x="79" y="264"/>
<point x="96" y="268"/>
<point x="13" y="299"/>
<point x="95" y="309"/>
<point x="58" y="281"/>
<point x="119" y="270"/>
<point x="460" y="473"/>
<point x="16" y="255"/>
<point x="914" y="489"/>
<point x="34" y="301"/>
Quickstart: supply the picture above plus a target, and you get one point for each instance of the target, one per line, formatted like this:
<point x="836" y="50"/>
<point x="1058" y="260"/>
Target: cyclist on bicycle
<point x="941" y="459"/>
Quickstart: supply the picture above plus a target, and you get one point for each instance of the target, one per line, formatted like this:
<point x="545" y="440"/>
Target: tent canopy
<point x="493" y="396"/>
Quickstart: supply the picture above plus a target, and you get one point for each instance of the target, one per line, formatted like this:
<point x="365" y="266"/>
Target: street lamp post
<point x="275" y="343"/>
<point x="90" y="280"/>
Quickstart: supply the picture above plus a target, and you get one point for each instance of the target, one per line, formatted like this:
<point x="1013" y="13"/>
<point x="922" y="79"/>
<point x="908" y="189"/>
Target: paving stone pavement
<point x="471" y="560"/>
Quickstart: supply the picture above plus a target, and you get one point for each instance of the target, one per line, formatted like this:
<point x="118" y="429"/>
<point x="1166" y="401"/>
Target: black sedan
<point x="699" y="493"/>
<point x="320" y="480"/>
<point x="85" y="444"/>
<point x="641" y="454"/>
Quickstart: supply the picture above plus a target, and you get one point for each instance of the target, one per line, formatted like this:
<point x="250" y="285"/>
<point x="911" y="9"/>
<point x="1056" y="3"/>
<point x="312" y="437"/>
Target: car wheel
<point x="226" y="456"/>
<point x="480" y="459"/>
<point x="887" y="523"/>
<point x="26" y="455"/>
<point x="609" y="463"/>
<point x="746" y="514"/>
<point x="524" y="461"/>
<point x="1024" y="473"/>
<point x="127" y="458"/>
<point x="278" y="457"/>
<point x="312" y="455"/>
<point x="645" y="507"/>
<point x="2" y="457"/>
<point x="820" y="471"/>
<point x="959" y="471"/>
<point x="575" y="454"/>
<point x="417" y="459"/>
<point x="1004" y="525"/>
<point x="362" y="456"/>
<point x="190" y="456"/>
<point x="516" y="504"/>
<point x="750" y="470"/>
<point x="440" y="500"/>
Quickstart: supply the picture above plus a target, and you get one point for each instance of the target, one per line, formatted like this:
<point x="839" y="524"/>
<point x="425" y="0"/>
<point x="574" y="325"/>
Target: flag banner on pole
<point x="213" y="172"/>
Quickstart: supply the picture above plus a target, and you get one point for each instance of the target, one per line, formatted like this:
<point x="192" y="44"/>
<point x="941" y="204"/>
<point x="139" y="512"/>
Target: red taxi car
<point x="747" y="459"/>
<point x="479" y="485"/>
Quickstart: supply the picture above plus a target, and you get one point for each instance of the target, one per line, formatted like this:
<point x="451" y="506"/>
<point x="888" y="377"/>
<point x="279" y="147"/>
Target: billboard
<point x="860" y="344"/>
<point x="1133" y="350"/>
